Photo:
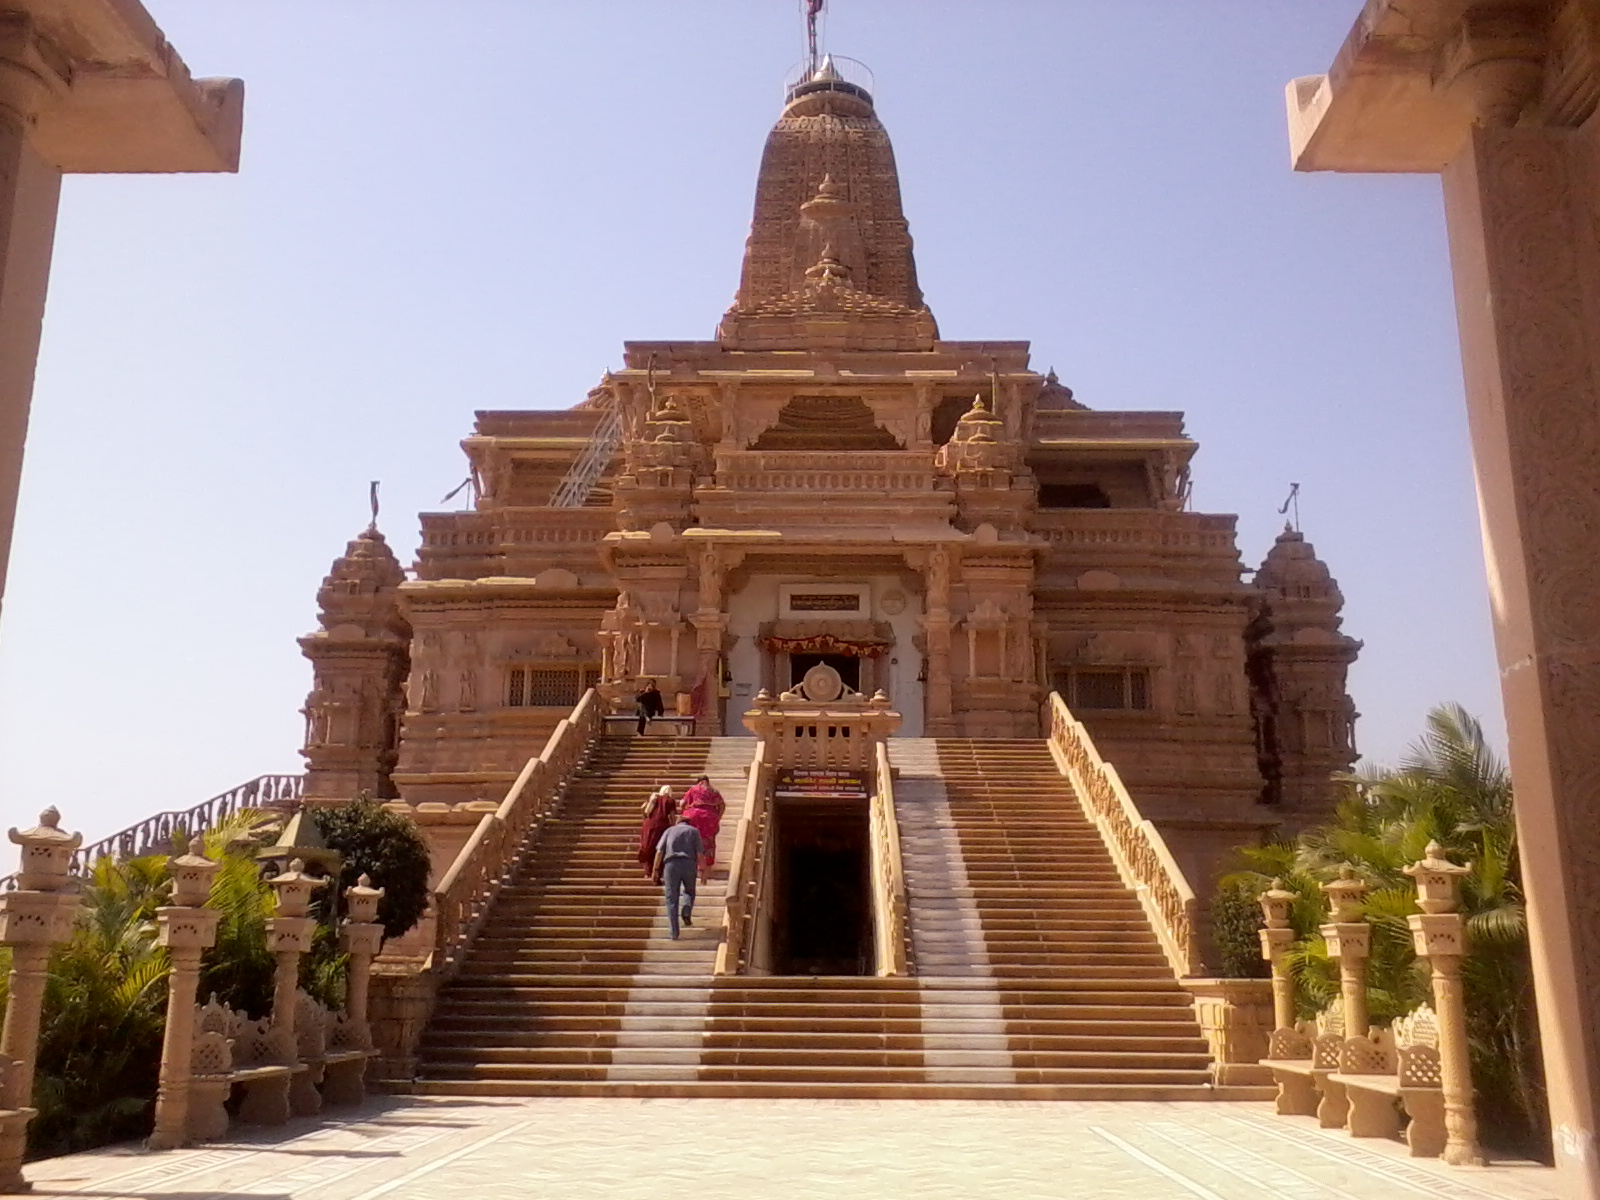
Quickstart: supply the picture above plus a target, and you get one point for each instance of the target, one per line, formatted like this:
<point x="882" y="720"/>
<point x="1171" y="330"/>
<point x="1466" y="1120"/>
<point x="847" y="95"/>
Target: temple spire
<point x="828" y="212"/>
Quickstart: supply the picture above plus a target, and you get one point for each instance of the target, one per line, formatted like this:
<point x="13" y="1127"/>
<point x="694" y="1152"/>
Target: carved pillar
<point x="1438" y="935"/>
<point x="361" y="937"/>
<point x="1349" y="940"/>
<point x="936" y="622"/>
<point x="1276" y="939"/>
<point x="30" y="190"/>
<point x="1524" y="244"/>
<point x="33" y="918"/>
<point x="288" y="937"/>
<point x="187" y="929"/>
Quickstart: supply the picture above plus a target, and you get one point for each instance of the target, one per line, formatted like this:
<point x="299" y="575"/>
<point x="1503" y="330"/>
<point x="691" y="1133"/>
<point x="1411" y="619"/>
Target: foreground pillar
<point x="35" y="917"/>
<point x="1349" y="940"/>
<point x="288" y="937"/>
<point x="1276" y="939"/>
<point x="361" y="937"/>
<point x="1498" y="99"/>
<point x="85" y="86"/>
<point x="1439" y="936"/>
<point x="187" y="930"/>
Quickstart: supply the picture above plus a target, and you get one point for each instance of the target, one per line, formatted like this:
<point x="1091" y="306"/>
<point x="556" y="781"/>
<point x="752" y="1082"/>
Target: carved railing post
<point x="1276" y="939"/>
<point x="33" y="918"/>
<point x="361" y="937"/>
<point x="187" y="929"/>
<point x="1349" y="939"/>
<point x="1438" y="934"/>
<point x="288" y="937"/>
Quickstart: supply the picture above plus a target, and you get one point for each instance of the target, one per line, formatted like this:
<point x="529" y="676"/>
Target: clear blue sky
<point x="447" y="206"/>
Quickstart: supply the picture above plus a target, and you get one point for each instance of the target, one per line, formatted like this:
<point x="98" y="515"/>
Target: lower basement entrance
<point x="821" y="913"/>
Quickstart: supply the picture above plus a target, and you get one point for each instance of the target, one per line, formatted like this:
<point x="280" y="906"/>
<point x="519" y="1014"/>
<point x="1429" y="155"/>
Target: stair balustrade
<point x="462" y="899"/>
<point x="163" y="831"/>
<point x="889" y="911"/>
<point x="747" y="869"/>
<point x="1136" y="845"/>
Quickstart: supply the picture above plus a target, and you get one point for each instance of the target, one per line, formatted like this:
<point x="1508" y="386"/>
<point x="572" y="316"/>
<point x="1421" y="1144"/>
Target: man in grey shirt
<point x="677" y="866"/>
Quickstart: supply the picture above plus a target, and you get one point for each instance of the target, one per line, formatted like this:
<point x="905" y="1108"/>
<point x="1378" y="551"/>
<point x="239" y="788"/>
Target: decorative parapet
<point x="822" y="724"/>
<point x="890" y="912"/>
<point x="1136" y="845"/>
<point x="462" y="898"/>
<point x="747" y="869"/>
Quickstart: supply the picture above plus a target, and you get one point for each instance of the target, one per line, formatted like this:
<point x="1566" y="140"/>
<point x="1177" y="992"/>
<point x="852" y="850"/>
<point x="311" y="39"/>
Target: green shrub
<point x="389" y="849"/>
<point x="1235" y="922"/>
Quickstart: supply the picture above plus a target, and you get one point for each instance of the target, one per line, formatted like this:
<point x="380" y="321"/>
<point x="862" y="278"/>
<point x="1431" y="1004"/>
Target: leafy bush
<point x="1235" y="922"/>
<point x="389" y="849"/>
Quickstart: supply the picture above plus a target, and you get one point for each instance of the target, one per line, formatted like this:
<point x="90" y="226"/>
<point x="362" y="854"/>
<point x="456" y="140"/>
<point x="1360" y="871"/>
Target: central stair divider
<point x="888" y="873"/>
<point x="465" y="894"/>
<point x="747" y="869"/>
<point x="1136" y="845"/>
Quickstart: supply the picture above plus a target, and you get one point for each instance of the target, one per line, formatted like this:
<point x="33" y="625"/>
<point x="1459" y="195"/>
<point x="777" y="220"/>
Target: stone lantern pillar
<point x="1276" y="939"/>
<point x="361" y="937"/>
<point x="288" y="937"/>
<point x="35" y="917"/>
<point x="1439" y="937"/>
<point x="187" y="929"/>
<point x="1349" y="940"/>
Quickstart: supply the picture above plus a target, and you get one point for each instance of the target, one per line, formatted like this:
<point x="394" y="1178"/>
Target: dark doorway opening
<point x="822" y="915"/>
<point x="848" y="666"/>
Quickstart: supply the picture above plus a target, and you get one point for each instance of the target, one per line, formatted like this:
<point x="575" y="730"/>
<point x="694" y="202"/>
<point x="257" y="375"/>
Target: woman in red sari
<point x="659" y="812"/>
<point x="703" y="807"/>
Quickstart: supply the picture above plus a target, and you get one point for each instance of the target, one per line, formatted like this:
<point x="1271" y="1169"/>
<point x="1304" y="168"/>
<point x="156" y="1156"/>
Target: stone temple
<point x="829" y="479"/>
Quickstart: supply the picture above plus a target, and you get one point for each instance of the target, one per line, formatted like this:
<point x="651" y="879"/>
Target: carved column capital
<point x="1494" y="63"/>
<point x="33" y="72"/>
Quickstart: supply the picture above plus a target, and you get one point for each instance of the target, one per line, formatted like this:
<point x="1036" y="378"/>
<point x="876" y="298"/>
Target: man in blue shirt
<point x="677" y="866"/>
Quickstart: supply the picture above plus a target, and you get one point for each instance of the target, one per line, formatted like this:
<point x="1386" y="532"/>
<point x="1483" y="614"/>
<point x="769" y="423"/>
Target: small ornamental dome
<point x="979" y="424"/>
<point x="669" y="424"/>
<point x="1293" y="570"/>
<point x="1055" y="394"/>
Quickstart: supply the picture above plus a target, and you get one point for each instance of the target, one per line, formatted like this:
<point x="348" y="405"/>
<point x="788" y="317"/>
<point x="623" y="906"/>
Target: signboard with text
<point x="819" y="783"/>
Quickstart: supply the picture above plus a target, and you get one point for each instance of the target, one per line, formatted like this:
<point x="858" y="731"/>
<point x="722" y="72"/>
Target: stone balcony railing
<point x="472" y="544"/>
<point x="816" y="471"/>
<point x="1108" y="534"/>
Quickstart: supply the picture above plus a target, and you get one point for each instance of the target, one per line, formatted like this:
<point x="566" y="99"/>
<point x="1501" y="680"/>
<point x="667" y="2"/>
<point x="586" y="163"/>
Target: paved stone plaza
<point x="574" y="1149"/>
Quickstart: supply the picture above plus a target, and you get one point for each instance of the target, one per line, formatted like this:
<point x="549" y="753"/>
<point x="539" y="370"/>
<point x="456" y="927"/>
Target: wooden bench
<point x="1411" y="1081"/>
<point x="231" y="1050"/>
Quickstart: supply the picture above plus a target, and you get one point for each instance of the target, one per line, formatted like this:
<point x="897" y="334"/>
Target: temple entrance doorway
<point x="848" y="666"/>
<point x="822" y="910"/>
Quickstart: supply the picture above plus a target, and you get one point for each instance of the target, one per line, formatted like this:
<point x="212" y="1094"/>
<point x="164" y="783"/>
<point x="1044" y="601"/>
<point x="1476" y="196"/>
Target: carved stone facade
<point x="1305" y="719"/>
<point x="829" y="480"/>
<point x="359" y="659"/>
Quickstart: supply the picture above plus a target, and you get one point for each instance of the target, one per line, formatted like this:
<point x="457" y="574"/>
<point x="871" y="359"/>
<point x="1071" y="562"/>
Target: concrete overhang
<point x="1380" y="107"/>
<point x="129" y="103"/>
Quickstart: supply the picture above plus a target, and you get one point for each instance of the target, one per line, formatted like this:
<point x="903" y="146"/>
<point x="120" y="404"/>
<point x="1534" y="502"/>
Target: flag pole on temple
<point x="813" y="12"/>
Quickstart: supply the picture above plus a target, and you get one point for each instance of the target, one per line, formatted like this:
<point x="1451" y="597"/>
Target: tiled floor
<point x="578" y="1149"/>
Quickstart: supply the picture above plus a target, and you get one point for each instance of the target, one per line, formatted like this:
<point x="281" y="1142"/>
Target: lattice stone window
<point x="1107" y="688"/>
<point x="544" y="687"/>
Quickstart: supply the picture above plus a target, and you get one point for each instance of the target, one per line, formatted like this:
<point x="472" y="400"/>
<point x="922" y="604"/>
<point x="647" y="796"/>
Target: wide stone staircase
<point x="1086" y="994"/>
<point x="1037" y="975"/>
<point x="575" y="962"/>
